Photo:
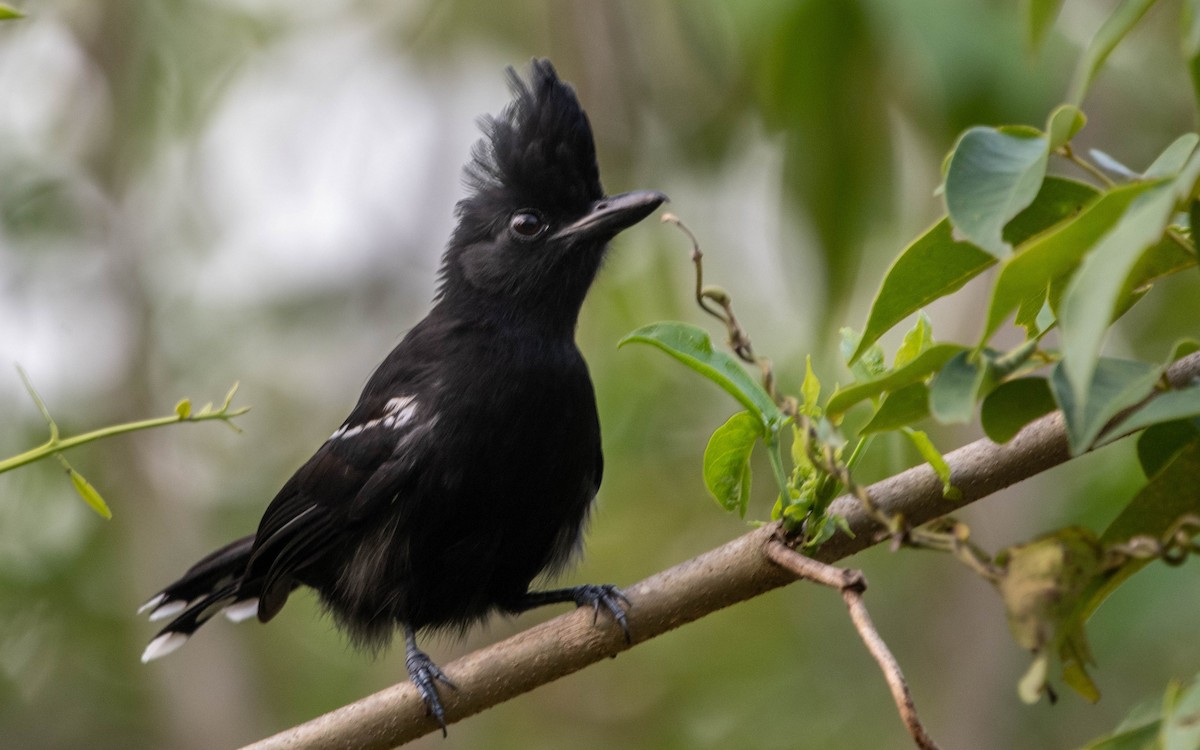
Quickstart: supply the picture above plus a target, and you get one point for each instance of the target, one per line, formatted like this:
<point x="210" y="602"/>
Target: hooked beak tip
<point x="609" y="216"/>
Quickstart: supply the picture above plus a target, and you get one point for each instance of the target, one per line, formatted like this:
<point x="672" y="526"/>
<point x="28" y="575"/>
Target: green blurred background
<point x="194" y="192"/>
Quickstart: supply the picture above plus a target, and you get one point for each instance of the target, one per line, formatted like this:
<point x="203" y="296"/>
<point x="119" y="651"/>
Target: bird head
<point x="534" y="226"/>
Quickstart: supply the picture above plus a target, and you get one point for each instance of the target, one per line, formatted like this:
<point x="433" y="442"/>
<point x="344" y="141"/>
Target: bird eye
<point x="526" y="224"/>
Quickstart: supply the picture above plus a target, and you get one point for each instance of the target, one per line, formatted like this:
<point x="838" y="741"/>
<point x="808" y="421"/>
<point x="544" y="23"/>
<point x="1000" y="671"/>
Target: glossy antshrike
<point x="469" y="464"/>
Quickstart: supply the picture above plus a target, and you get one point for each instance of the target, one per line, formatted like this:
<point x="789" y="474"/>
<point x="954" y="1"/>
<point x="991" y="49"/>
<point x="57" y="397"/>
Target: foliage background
<point x="196" y="191"/>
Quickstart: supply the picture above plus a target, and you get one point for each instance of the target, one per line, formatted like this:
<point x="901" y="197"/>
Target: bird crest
<point x="540" y="146"/>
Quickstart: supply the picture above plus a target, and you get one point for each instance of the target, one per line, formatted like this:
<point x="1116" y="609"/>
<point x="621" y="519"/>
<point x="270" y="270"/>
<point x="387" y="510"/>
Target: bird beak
<point x="608" y="216"/>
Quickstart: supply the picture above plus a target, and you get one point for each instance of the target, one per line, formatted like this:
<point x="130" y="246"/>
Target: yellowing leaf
<point x="89" y="493"/>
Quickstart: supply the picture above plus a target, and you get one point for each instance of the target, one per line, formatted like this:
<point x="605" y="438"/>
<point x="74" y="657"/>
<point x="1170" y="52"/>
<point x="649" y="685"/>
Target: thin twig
<point x="1173" y="548"/>
<point x="57" y="444"/>
<point x="852" y="584"/>
<point x="1067" y="153"/>
<point x="739" y="340"/>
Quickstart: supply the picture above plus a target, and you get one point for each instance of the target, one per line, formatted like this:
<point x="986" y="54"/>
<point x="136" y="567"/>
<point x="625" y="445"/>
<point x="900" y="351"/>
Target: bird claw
<point x="425" y="675"/>
<point x="607" y="596"/>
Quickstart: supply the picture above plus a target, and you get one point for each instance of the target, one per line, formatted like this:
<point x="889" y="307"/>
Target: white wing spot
<point x="397" y="413"/>
<point x="398" y="404"/>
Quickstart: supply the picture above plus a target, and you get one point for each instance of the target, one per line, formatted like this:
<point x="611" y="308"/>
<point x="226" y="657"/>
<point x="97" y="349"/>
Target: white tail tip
<point x="157" y="600"/>
<point x="168" y="609"/>
<point x="163" y="645"/>
<point x="242" y="610"/>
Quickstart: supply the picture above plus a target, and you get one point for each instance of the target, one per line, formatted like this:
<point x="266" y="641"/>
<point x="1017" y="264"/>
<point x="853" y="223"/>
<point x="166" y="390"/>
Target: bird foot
<point x="607" y="596"/>
<point x="425" y="675"/>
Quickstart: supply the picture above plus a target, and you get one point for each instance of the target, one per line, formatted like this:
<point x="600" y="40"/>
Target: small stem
<point x="852" y="584"/>
<point x="1066" y="152"/>
<point x="1174" y="236"/>
<point x="739" y="342"/>
<point x="698" y="261"/>
<point x="860" y="449"/>
<point x="776" y="458"/>
<point x="948" y="535"/>
<point x="41" y="405"/>
<point x="57" y="444"/>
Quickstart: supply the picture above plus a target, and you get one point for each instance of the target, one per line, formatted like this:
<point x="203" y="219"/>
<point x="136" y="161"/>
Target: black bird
<point x="469" y="464"/>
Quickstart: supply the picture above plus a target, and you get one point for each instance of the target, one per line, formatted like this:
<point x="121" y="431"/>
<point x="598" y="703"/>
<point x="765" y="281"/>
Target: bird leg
<point x="589" y="595"/>
<point x="425" y="675"/>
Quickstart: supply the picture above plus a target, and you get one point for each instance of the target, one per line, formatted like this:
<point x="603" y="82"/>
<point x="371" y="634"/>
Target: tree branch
<point x="734" y="572"/>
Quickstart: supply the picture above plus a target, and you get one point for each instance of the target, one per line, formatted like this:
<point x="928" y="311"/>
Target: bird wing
<point x="367" y="457"/>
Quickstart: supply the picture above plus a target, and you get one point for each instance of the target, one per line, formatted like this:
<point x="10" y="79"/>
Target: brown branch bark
<point x="727" y="575"/>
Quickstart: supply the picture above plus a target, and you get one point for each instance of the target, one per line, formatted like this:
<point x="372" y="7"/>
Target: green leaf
<point x="1159" y="443"/>
<point x="865" y="366"/>
<point x="1168" y="723"/>
<point x="1057" y="200"/>
<point x="930" y="453"/>
<point x="692" y="346"/>
<point x="1183" y="348"/>
<point x="1172" y="160"/>
<point x="1026" y="276"/>
<point x="1014" y="404"/>
<point x="1116" y="385"/>
<point x="810" y="390"/>
<point x="1076" y="655"/>
<point x="184" y="408"/>
<point x="8" y="12"/>
<point x="1181" y="711"/>
<point x="954" y="389"/>
<point x="993" y="175"/>
<point x="727" y="461"/>
<point x="935" y="264"/>
<point x="1164" y="259"/>
<point x="1091" y="297"/>
<point x="1044" y="318"/>
<point x="1039" y="18"/>
<point x="803" y="467"/>
<point x="1167" y="496"/>
<point x="927" y="363"/>
<point x="917" y="340"/>
<point x="1137" y="731"/>
<point x="89" y="493"/>
<point x="901" y="408"/>
<point x="1064" y="123"/>
<point x="1114" y="29"/>
<point x="1165" y="407"/>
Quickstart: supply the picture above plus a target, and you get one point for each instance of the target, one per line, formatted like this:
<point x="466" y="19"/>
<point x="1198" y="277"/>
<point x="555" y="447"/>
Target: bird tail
<point x="212" y="585"/>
